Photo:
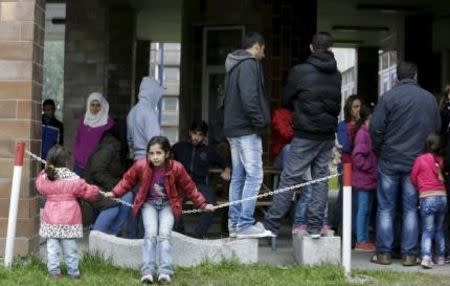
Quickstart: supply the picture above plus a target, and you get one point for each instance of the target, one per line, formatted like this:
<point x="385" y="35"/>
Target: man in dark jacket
<point x="52" y="128"/>
<point x="402" y="120"/>
<point x="197" y="158"/>
<point x="313" y="91"/>
<point x="246" y="115"/>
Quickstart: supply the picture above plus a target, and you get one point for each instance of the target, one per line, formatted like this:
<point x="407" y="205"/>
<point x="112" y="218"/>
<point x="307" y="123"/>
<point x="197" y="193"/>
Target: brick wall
<point x="21" y="53"/>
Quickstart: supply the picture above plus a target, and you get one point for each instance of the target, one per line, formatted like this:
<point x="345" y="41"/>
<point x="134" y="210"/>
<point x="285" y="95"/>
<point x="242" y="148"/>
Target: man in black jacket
<point x="402" y="120"/>
<point x="197" y="158"/>
<point x="313" y="91"/>
<point x="246" y="114"/>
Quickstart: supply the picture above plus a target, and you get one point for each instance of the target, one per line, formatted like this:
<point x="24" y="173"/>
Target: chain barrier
<point x="39" y="159"/>
<point x="224" y="205"/>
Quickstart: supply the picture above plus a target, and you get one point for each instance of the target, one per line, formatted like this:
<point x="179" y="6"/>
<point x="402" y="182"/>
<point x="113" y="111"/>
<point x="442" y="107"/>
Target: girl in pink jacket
<point x="364" y="179"/>
<point x="426" y="176"/>
<point x="61" y="221"/>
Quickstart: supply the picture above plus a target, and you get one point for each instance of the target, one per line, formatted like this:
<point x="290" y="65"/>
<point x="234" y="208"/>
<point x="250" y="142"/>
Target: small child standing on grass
<point x="426" y="175"/>
<point x="364" y="178"/>
<point x="61" y="221"/>
<point x="163" y="185"/>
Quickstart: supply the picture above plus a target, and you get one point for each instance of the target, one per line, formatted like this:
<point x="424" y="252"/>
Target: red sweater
<point x="282" y="131"/>
<point x="425" y="173"/>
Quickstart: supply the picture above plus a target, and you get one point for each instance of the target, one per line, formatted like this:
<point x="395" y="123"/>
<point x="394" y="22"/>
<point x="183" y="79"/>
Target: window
<point x="165" y="67"/>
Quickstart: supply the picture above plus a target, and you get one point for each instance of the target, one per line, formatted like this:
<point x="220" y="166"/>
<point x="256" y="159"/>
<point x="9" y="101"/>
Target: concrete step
<point x="187" y="251"/>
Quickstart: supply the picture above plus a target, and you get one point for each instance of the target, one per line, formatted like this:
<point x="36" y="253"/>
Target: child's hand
<point x="208" y="208"/>
<point x="226" y="174"/>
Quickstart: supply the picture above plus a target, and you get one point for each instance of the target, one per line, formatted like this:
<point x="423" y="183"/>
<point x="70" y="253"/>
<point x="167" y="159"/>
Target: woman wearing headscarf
<point x="90" y="130"/>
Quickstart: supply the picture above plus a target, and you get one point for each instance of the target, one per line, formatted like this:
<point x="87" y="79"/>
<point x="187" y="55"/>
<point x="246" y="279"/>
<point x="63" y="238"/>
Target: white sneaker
<point x="232" y="232"/>
<point x="254" y="231"/>
<point x="147" y="279"/>
<point x="164" y="278"/>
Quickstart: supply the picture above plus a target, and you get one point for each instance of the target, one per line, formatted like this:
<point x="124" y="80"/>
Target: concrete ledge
<point x="187" y="251"/>
<point x="309" y="251"/>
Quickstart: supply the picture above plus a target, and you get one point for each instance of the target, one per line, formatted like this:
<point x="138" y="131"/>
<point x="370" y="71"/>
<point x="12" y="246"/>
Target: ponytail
<point x="57" y="157"/>
<point x="364" y="114"/>
<point x="50" y="171"/>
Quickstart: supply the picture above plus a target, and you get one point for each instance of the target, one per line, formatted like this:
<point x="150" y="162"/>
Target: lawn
<point x="96" y="271"/>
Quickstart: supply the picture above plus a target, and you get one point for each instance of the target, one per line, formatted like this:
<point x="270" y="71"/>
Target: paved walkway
<point x="284" y="256"/>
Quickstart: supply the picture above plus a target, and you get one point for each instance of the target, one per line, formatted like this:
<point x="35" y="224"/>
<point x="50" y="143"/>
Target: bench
<point x="270" y="173"/>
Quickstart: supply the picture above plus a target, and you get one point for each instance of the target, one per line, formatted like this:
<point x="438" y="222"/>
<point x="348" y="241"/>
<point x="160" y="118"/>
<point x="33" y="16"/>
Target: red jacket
<point x="282" y="131"/>
<point x="425" y="173"/>
<point x="177" y="184"/>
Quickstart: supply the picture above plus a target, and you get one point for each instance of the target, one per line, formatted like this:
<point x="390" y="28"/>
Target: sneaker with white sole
<point x="440" y="260"/>
<point x="147" y="279"/>
<point x="300" y="230"/>
<point x="164" y="278"/>
<point x="232" y="232"/>
<point x="254" y="231"/>
<point x="426" y="263"/>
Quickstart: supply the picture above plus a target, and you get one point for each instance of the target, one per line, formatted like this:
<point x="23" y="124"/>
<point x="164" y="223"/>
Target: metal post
<point x="14" y="203"/>
<point x="347" y="220"/>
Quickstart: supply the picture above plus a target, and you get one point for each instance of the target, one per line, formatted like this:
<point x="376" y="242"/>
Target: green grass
<point x="96" y="271"/>
<point x="333" y="184"/>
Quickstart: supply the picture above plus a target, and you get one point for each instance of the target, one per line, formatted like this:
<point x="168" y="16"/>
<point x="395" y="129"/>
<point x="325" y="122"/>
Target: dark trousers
<point x="205" y="219"/>
<point x="303" y="153"/>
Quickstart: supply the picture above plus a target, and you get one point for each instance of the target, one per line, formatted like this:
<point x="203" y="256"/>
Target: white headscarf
<point x="101" y="118"/>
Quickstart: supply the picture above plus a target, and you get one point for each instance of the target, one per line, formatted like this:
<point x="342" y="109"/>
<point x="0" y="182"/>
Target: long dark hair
<point x="433" y="144"/>
<point x="364" y="114"/>
<point x="443" y="102"/>
<point x="348" y="107"/>
<point x="57" y="157"/>
<point x="162" y="141"/>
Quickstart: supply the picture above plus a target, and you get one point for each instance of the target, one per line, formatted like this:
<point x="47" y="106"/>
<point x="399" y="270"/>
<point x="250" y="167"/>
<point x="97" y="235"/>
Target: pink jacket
<point x="364" y="171"/>
<point x="61" y="209"/>
<point x="425" y="173"/>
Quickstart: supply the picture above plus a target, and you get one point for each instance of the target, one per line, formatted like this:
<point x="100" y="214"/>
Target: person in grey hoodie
<point x="143" y="119"/>
<point x="246" y="114"/>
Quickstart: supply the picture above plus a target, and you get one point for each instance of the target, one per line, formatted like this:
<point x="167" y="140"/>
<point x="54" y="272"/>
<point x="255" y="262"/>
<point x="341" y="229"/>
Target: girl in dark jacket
<point x="163" y="185"/>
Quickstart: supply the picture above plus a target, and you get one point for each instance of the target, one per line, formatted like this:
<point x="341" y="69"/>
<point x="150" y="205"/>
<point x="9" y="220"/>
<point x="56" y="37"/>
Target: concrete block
<point x="309" y="251"/>
<point x="187" y="251"/>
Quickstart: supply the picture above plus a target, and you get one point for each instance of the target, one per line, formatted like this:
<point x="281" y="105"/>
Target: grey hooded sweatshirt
<point x="143" y="119"/>
<point x="246" y="109"/>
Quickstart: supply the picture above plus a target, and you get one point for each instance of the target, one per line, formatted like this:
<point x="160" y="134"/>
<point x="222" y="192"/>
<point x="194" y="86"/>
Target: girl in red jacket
<point x="61" y="221"/>
<point x="163" y="184"/>
<point x="426" y="175"/>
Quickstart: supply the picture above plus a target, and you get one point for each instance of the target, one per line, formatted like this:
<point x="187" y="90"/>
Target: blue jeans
<point x="246" y="179"/>
<point x="390" y="185"/>
<point x="365" y="198"/>
<point x="432" y="211"/>
<point x="301" y="207"/>
<point x="281" y="158"/>
<point x="70" y="253"/>
<point x="158" y="221"/>
<point x="110" y="220"/>
<point x="303" y="153"/>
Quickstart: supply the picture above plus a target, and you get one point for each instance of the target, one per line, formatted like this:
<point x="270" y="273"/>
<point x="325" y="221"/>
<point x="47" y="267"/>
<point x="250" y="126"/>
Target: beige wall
<point x="160" y="22"/>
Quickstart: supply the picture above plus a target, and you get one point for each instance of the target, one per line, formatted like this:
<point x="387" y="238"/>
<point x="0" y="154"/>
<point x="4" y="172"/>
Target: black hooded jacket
<point x="313" y="91"/>
<point x="246" y="109"/>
